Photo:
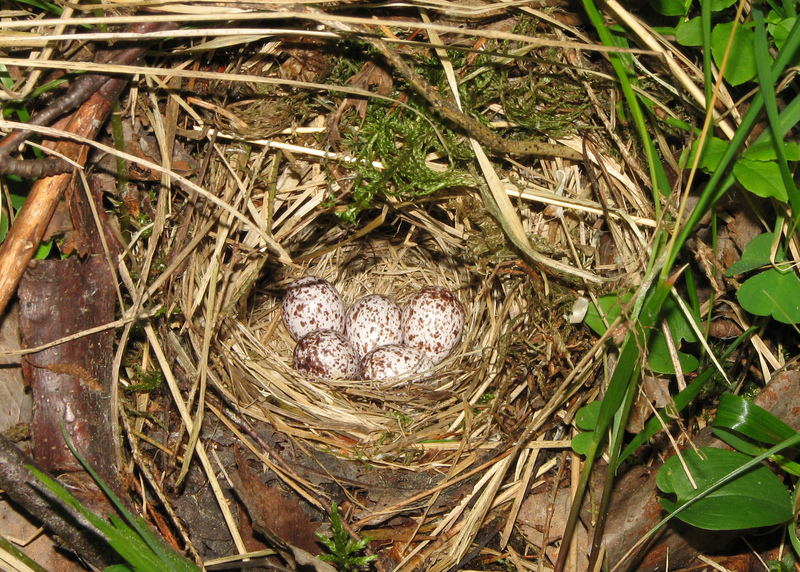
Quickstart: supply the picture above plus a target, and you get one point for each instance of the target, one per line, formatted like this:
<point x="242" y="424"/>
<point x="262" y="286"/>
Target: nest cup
<point x="365" y="413"/>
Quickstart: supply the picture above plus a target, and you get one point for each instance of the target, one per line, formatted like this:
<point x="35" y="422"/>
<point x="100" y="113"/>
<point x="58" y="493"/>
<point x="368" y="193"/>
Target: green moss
<point x="399" y="140"/>
<point x="536" y="98"/>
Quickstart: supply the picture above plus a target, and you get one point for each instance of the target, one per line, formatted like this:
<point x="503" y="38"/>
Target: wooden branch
<point x="28" y="229"/>
<point x="31" y="223"/>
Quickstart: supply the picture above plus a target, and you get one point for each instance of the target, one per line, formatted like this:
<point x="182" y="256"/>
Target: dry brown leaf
<point x="371" y="76"/>
<point x="654" y="394"/>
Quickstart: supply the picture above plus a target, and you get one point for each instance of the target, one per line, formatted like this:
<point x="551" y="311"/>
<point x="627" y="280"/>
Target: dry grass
<point x="223" y="243"/>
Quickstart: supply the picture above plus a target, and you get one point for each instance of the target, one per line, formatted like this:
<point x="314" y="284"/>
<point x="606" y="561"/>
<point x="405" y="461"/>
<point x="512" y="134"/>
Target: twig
<point x="81" y="90"/>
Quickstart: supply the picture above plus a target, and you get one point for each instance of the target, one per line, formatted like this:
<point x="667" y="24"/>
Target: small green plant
<point x="658" y="356"/>
<point x="757" y="169"/>
<point x="586" y="420"/>
<point x="689" y="33"/>
<point x="717" y="489"/>
<point x="645" y="313"/>
<point x="342" y="547"/>
<point x="148" y="380"/>
<point x="771" y="292"/>
<point x="400" y="140"/>
<point x="785" y="565"/>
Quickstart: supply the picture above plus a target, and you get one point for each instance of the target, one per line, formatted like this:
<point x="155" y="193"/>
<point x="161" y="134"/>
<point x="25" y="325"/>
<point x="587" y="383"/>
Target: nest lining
<point x="371" y="413"/>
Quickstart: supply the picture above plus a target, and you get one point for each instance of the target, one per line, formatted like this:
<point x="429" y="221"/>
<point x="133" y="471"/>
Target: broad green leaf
<point x="664" y="30"/>
<point x="712" y="153"/>
<point x="586" y="420"/>
<point x="680" y="401"/>
<point x="754" y="499"/>
<point x="43" y="250"/>
<point x="718" y="5"/>
<point x="756" y="254"/>
<point x="610" y="307"/>
<point x="762" y="178"/>
<point x="671" y="7"/>
<point x="586" y="417"/>
<point x="766" y="151"/>
<point x="581" y="442"/>
<point x="17" y="200"/>
<point x="680" y="329"/>
<point x="658" y="353"/>
<point x="690" y="32"/>
<point x="733" y="439"/>
<point x="659" y="360"/>
<point x="780" y="30"/>
<point x="735" y="412"/>
<point x="679" y="324"/>
<point x="772" y="293"/>
<point x="742" y="65"/>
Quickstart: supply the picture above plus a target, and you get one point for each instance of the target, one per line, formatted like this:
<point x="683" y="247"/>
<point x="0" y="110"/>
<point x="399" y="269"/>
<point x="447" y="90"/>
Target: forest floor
<point x="219" y="152"/>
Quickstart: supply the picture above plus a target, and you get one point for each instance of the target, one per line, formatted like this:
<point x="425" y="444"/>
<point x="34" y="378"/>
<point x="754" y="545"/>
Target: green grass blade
<point x="108" y="492"/>
<point x="657" y="174"/>
<point x="45" y="6"/>
<point x="143" y="537"/>
<point x="767" y="82"/>
<point x="12" y="552"/>
<point x="735" y="412"/>
<point x="623" y="382"/>
<point x="705" y="23"/>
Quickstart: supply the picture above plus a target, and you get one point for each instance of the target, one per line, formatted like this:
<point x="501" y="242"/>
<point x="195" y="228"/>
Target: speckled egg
<point x="326" y="354"/>
<point x="312" y="303"/>
<point x="372" y="322"/>
<point x="393" y="361"/>
<point x="433" y="321"/>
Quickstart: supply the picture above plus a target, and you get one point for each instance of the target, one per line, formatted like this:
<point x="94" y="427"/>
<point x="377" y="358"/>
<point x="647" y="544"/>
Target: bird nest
<point x="366" y="415"/>
<point x="357" y="417"/>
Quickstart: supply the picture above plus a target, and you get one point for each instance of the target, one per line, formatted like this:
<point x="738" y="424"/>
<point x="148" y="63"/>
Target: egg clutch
<point x="374" y="339"/>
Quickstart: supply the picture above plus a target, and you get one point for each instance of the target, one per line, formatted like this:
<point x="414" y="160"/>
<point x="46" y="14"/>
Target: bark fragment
<point x="70" y="381"/>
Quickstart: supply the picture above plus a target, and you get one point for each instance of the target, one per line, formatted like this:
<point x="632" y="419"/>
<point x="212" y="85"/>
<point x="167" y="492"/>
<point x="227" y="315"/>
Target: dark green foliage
<point x="400" y="140"/>
<point x="342" y="547"/>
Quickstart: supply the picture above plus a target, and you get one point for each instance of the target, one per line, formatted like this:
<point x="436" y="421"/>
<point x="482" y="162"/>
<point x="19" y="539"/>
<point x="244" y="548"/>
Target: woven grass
<point x="366" y="415"/>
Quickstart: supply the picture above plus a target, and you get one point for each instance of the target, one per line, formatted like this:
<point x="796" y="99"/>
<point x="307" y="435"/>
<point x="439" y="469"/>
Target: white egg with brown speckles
<point x="372" y="322"/>
<point x="433" y="322"/>
<point x="326" y="354"/>
<point x="312" y="303"/>
<point x="394" y="361"/>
